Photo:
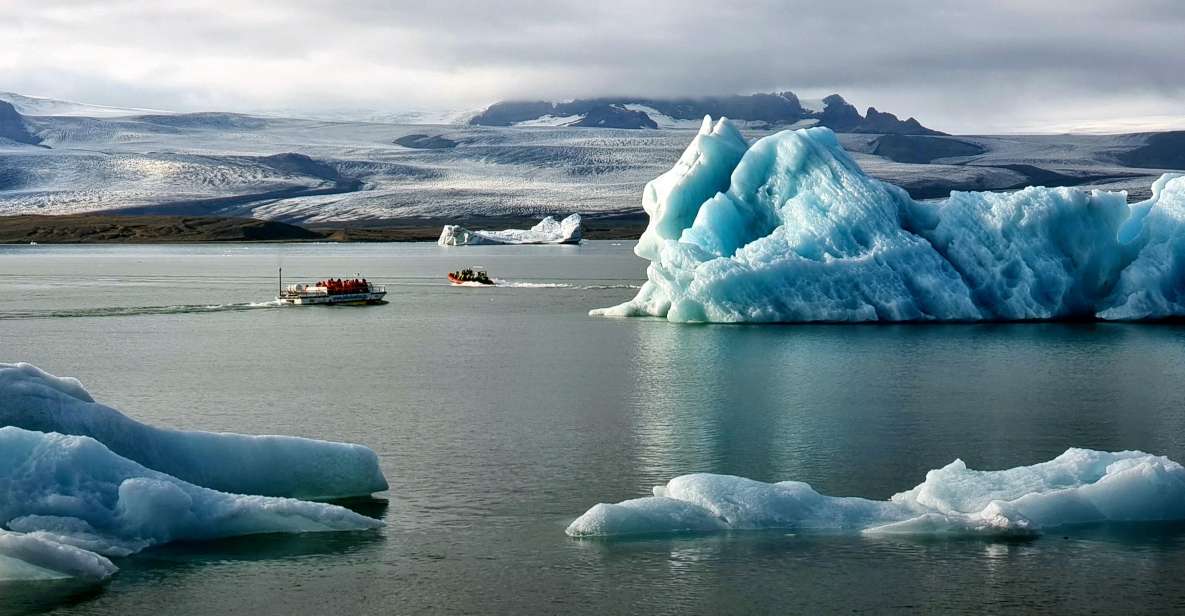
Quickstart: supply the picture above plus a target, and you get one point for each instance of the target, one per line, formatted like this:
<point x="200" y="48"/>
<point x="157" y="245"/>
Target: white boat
<point x="333" y="291"/>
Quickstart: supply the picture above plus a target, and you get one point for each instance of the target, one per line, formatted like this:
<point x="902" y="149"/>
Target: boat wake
<point x="125" y="311"/>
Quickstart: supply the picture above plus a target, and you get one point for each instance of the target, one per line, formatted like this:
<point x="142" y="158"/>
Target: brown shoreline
<point x="129" y="229"/>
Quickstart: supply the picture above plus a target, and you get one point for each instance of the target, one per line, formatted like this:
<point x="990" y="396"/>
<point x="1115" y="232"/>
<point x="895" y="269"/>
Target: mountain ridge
<point x="772" y="109"/>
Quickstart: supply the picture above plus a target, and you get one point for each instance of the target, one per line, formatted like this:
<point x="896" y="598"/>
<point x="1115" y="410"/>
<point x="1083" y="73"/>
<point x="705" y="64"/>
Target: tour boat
<point x="469" y="276"/>
<point x="332" y="291"/>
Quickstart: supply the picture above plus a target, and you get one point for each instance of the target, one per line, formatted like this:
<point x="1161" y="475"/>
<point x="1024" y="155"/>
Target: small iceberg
<point x="548" y="231"/>
<point x="81" y="482"/>
<point x="1078" y="487"/>
<point x="790" y="229"/>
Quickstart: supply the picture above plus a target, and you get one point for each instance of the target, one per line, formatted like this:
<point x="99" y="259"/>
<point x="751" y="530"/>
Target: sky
<point x="959" y="66"/>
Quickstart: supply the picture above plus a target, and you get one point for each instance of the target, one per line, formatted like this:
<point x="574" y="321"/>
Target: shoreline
<point x="107" y="228"/>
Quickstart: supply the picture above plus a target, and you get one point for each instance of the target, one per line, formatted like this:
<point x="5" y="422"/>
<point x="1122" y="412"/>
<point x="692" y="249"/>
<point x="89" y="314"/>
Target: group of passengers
<point x="337" y="285"/>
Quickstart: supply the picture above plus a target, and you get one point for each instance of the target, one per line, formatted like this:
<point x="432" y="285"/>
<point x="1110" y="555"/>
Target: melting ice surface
<point x="265" y="465"/>
<point x="548" y="231"/>
<point x="80" y="481"/>
<point x="1080" y="486"/>
<point x="790" y="229"/>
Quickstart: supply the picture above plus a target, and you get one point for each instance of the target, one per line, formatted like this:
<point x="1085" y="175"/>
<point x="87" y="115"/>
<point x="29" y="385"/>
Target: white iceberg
<point x="790" y="229"/>
<point x="265" y="465"/>
<point x="1080" y="486"/>
<point x="73" y="490"/>
<point x="548" y="231"/>
<point x="28" y="557"/>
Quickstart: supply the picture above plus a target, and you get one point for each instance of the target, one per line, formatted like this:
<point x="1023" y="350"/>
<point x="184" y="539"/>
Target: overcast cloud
<point x="958" y="66"/>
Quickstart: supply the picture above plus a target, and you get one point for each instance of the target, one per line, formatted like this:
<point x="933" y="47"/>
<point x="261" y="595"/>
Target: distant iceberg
<point x="1080" y="486"/>
<point x="548" y="231"/>
<point x="790" y="229"/>
<point x="266" y="465"/>
<point x="79" y="481"/>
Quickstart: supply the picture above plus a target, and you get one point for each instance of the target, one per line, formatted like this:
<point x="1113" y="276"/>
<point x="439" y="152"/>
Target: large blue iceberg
<point x="789" y="229"/>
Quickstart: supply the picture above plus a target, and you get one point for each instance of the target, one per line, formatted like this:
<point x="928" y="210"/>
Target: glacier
<point x="548" y="231"/>
<point x="265" y="465"/>
<point x="790" y="229"/>
<point x="1080" y="486"/>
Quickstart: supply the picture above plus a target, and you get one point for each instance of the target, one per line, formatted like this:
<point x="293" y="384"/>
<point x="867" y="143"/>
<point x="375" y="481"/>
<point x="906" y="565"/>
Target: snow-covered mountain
<point x="767" y="110"/>
<point x="315" y="171"/>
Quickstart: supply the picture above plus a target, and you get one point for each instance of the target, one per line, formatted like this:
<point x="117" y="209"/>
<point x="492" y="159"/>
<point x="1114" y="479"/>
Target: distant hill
<point x="772" y="110"/>
<point x="13" y="126"/>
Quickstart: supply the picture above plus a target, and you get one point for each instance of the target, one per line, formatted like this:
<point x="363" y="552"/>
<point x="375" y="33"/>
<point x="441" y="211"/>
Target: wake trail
<point x="124" y="311"/>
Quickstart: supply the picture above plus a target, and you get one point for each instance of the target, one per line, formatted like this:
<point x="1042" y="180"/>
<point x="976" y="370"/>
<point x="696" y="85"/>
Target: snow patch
<point x="1080" y="486"/>
<point x="550" y="120"/>
<point x="663" y="120"/>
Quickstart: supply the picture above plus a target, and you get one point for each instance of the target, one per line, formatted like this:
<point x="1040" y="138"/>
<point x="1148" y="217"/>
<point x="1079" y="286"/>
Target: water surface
<point x="501" y="414"/>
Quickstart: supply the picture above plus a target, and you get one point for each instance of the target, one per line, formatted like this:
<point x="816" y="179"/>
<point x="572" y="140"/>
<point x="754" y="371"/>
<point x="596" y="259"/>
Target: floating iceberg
<point x="73" y="490"/>
<point x="265" y="465"/>
<point x="790" y="229"/>
<point x="548" y="231"/>
<point x="80" y="481"/>
<point x="1080" y="486"/>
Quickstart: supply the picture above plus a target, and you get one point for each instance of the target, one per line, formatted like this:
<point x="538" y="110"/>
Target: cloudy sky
<point x="960" y="66"/>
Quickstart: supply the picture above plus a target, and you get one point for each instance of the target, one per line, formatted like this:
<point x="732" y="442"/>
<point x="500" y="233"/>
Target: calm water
<point x="501" y="414"/>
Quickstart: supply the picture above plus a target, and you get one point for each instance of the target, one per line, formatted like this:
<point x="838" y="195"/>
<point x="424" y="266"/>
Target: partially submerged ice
<point x="1078" y="487"/>
<point x="73" y="490"/>
<point x="548" y="231"/>
<point x="80" y="481"/>
<point x="266" y="465"/>
<point x="28" y="557"/>
<point x="790" y="229"/>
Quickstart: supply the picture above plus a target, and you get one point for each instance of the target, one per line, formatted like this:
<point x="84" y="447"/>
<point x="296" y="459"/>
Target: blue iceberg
<point x="266" y="465"/>
<point x="790" y="229"/>
<point x="80" y="482"/>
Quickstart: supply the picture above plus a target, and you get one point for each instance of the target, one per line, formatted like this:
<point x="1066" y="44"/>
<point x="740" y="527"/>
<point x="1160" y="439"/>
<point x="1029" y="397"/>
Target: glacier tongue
<point x="790" y="229"/>
<point x="1079" y="486"/>
<point x="264" y="465"/>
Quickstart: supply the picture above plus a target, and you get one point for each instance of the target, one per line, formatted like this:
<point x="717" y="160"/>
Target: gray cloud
<point x="957" y="65"/>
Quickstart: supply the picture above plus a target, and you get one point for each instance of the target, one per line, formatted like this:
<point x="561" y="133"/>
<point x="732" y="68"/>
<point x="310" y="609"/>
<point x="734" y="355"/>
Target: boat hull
<point x="341" y="299"/>
<point x="457" y="281"/>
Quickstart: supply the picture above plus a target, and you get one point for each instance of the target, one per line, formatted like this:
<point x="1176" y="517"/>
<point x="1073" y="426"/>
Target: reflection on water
<point x="813" y="403"/>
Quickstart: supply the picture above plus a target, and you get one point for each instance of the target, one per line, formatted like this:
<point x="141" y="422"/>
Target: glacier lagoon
<point x="500" y="415"/>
